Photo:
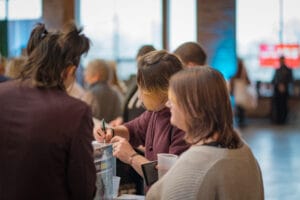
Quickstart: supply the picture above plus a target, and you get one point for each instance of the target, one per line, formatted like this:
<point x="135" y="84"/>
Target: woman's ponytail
<point x="38" y="33"/>
<point x="73" y="43"/>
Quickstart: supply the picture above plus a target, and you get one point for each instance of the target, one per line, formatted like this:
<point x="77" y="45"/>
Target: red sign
<point x="269" y="55"/>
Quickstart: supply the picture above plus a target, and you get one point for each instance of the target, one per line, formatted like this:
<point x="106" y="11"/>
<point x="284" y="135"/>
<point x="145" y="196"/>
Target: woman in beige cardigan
<point x="219" y="164"/>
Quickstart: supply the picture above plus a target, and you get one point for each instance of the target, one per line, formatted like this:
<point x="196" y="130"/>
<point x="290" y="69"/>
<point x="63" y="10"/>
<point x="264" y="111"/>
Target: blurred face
<point x="177" y="114"/>
<point x="153" y="101"/>
<point x="89" y="77"/>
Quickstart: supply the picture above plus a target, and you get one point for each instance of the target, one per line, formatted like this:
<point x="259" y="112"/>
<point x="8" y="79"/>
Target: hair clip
<point x="43" y="35"/>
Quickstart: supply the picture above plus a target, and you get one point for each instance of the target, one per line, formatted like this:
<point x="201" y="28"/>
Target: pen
<point x="103" y="128"/>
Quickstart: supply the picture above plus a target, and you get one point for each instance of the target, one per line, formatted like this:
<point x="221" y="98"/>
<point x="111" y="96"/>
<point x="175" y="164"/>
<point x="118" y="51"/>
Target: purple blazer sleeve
<point x="81" y="170"/>
<point x="138" y="128"/>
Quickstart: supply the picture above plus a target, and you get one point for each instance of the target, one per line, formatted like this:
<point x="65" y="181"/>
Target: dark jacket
<point x="45" y="145"/>
<point x="283" y="76"/>
<point x="132" y="108"/>
<point x="108" y="100"/>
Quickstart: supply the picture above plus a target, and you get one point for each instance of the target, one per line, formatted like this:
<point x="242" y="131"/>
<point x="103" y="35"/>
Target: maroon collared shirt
<point x="154" y="131"/>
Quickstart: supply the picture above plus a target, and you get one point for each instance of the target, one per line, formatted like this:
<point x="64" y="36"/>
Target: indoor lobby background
<point x="226" y="29"/>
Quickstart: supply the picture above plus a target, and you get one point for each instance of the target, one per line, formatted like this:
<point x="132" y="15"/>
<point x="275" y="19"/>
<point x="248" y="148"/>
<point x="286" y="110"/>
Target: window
<point x="22" y="16"/>
<point x="258" y="25"/>
<point x="182" y="22"/>
<point x="20" y="9"/>
<point x="118" y="28"/>
<point x="2" y="9"/>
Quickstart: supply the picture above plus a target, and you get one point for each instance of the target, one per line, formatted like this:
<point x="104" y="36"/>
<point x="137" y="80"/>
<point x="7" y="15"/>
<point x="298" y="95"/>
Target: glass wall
<point x="263" y="23"/>
<point x="21" y="17"/>
<point x="118" y="28"/>
<point x="20" y="9"/>
<point x="2" y="9"/>
<point x="182" y="22"/>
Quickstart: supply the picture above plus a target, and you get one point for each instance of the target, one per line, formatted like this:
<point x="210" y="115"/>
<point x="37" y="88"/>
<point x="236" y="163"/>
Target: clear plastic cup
<point x="116" y="184"/>
<point x="165" y="161"/>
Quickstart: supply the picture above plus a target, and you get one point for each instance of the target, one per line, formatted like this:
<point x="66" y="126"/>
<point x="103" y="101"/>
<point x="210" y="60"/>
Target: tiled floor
<point x="277" y="149"/>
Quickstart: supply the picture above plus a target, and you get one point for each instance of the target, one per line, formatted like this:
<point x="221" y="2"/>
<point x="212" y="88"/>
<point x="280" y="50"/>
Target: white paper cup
<point x="116" y="184"/>
<point x="165" y="162"/>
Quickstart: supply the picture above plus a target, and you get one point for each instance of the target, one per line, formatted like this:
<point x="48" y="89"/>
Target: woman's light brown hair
<point x="202" y="94"/>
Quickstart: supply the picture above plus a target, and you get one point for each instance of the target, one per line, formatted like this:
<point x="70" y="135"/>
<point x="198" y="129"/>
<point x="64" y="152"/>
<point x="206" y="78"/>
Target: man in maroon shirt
<point x="152" y="129"/>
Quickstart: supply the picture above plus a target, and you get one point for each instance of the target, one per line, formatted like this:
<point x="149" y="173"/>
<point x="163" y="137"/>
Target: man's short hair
<point x="191" y="52"/>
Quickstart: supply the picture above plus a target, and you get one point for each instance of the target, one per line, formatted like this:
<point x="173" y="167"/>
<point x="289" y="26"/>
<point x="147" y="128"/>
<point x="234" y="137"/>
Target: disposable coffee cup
<point x="165" y="161"/>
<point x="116" y="184"/>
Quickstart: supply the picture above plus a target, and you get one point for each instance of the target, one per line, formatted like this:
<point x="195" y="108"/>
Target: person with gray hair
<point x="109" y="103"/>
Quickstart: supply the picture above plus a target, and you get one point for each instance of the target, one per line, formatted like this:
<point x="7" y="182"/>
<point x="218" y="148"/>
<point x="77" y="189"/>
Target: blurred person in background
<point x="96" y="76"/>
<point x="239" y="79"/>
<point x="281" y="81"/>
<point x="2" y="69"/>
<point x="14" y="67"/>
<point x="77" y="91"/>
<point x="191" y="54"/>
<point x="114" y="80"/>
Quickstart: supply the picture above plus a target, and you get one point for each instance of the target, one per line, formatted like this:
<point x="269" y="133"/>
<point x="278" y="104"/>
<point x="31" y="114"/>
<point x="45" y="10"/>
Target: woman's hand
<point x="103" y="136"/>
<point x="122" y="149"/>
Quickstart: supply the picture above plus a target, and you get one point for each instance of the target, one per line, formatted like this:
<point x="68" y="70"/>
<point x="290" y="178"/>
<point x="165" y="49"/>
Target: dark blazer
<point x="45" y="145"/>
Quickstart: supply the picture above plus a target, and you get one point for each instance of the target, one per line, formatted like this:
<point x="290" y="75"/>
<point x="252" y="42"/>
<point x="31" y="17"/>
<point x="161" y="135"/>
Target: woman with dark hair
<point x="219" y="164"/>
<point x="46" y="135"/>
<point x="152" y="129"/>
